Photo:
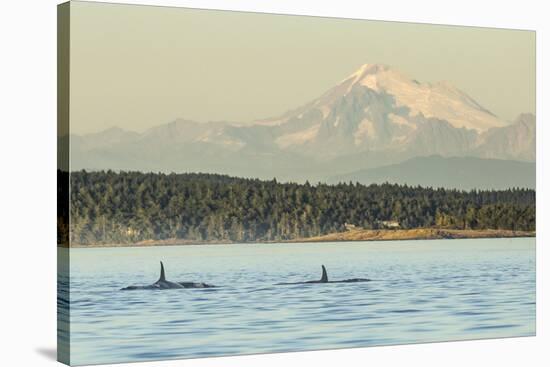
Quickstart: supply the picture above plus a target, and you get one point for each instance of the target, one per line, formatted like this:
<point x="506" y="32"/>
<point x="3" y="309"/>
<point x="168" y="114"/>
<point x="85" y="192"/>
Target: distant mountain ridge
<point x="463" y="173"/>
<point x="375" y="117"/>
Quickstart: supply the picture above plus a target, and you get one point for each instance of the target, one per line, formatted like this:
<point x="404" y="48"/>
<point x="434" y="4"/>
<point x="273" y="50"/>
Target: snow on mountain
<point x="440" y="100"/>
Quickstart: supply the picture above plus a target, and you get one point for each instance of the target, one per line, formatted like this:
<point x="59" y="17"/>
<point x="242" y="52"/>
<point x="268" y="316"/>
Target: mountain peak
<point x="440" y="100"/>
<point x="526" y="118"/>
<point x="371" y="69"/>
<point x="372" y="72"/>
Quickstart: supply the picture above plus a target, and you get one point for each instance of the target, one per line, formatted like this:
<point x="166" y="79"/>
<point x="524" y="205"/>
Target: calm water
<point x="421" y="291"/>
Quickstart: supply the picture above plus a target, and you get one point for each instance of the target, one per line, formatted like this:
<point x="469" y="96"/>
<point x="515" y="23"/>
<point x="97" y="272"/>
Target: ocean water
<point x="421" y="291"/>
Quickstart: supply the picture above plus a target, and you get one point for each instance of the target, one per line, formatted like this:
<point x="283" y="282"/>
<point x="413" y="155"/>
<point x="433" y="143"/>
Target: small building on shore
<point x="350" y="227"/>
<point x="389" y="224"/>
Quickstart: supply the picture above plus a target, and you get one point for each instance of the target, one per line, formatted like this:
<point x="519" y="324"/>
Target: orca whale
<point x="162" y="283"/>
<point x="324" y="279"/>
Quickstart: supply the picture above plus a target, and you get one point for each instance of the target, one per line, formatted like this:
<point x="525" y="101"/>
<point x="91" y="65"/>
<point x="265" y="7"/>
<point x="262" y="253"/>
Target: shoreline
<point x="417" y="234"/>
<point x="348" y="236"/>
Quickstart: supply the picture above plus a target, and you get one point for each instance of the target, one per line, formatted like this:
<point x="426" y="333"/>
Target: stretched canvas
<point x="236" y="183"/>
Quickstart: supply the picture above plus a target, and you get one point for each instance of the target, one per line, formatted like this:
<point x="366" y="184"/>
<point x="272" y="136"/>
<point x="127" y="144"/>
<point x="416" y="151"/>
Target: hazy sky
<point x="140" y="66"/>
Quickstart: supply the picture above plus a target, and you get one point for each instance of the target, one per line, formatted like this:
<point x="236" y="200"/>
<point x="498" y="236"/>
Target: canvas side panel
<point x="63" y="197"/>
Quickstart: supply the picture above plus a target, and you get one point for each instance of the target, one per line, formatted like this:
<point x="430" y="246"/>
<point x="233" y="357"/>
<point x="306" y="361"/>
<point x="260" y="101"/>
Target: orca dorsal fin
<point x="324" y="277"/>
<point x="162" y="276"/>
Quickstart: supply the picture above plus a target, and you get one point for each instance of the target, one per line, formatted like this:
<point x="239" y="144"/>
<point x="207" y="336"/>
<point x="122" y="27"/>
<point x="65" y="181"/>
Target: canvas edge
<point x="63" y="195"/>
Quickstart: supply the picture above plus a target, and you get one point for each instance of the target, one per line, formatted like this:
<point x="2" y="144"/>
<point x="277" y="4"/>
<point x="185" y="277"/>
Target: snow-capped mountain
<point x="378" y="108"/>
<point x="440" y="100"/>
<point x="376" y="116"/>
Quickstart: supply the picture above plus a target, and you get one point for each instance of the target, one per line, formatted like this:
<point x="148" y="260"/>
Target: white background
<point x="28" y="183"/>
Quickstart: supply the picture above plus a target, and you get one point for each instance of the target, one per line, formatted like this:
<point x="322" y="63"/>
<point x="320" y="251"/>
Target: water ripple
<point x="425" y="291"/>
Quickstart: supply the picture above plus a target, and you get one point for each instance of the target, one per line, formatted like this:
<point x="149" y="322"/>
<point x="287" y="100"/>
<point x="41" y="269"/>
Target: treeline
<point x="127" y="207"/>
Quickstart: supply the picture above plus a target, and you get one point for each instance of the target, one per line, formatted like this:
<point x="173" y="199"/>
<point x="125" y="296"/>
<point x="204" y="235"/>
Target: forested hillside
<point x="127" y="207"/>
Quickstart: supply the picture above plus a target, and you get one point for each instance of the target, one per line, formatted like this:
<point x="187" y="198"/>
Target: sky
<point x="135" y="66"/>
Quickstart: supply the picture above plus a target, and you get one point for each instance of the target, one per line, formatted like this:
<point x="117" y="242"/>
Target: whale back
<point x="324" y="277"/>
<point x="162" y="275"/>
